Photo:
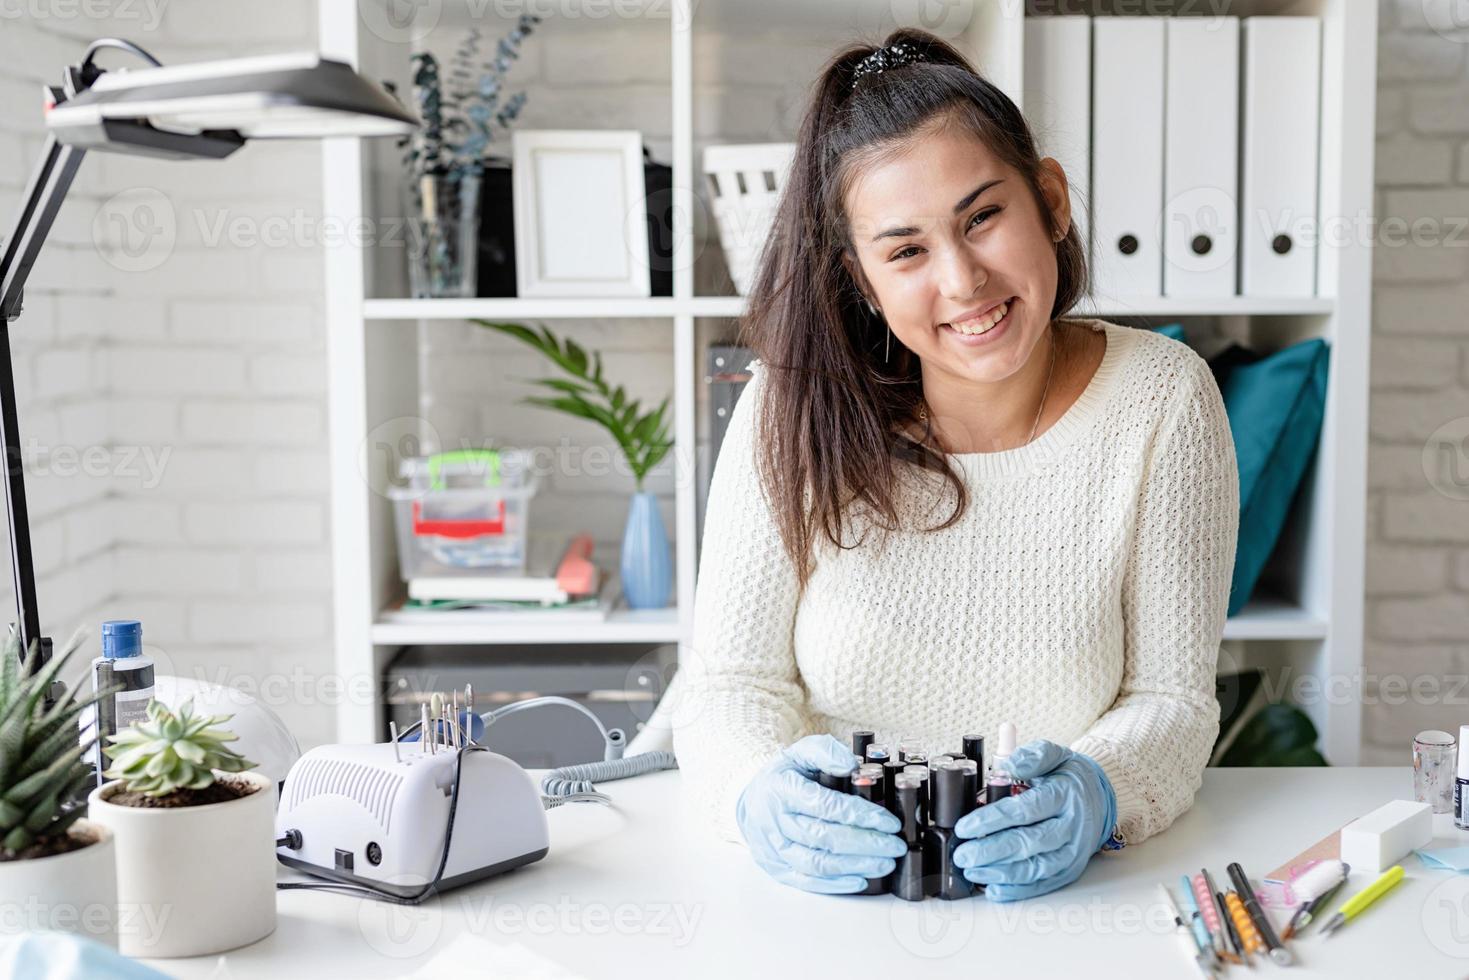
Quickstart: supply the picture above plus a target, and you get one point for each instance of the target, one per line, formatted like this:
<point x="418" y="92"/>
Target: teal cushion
<point x="1275" y="407"/>
<point x="1173" y="331"/>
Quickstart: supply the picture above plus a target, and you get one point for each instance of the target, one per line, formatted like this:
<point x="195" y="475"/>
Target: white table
<point x="642" y="891"/>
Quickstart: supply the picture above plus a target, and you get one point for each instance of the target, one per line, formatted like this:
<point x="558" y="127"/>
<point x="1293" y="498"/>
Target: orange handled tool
<point x="1248" y="934"/>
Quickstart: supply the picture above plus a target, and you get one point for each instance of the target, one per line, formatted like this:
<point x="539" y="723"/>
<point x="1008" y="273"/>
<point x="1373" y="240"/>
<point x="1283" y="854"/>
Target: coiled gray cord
<point x="558" y="784"/>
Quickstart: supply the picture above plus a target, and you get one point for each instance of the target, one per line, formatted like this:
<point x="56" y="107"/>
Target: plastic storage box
<point x="463" y="509"/>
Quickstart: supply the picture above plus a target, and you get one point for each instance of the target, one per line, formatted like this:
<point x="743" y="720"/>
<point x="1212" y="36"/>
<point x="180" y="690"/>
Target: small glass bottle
<point x="1000" y="783"/>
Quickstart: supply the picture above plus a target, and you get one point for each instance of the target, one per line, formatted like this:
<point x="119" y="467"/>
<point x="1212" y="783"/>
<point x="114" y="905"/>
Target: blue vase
<point x="647" y="569"/>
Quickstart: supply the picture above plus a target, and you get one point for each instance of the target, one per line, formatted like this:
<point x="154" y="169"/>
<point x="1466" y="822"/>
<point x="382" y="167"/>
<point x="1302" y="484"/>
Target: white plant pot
<point x="74" y="892"/>
<point x="193" y="880"/>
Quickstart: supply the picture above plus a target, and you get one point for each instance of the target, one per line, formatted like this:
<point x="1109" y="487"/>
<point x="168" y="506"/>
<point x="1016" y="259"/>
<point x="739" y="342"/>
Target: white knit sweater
<point x="1082" y="596"/>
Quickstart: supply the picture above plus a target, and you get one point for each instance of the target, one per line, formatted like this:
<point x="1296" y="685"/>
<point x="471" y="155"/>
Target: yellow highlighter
<point x="1354" y="905"/>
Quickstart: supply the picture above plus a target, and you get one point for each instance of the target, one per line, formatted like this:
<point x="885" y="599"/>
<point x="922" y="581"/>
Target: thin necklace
<point x="923" y="405"/>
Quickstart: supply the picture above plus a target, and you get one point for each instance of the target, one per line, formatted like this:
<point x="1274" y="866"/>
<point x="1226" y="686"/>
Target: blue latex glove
<point x="810" y="837"/>
<point x="1041" y="840"/>
<point x="63" y="956"/>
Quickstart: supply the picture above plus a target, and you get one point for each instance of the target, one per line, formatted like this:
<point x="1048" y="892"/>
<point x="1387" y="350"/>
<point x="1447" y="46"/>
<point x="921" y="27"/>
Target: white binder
<point x="1127" y="157"/>
<point x="1201" y="153"/>
<point x="1057" y="99"/>
<point x="1281" y="158"/>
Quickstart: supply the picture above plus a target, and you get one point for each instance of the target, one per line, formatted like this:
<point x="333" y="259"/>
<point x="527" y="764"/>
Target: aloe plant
<point x="172" y="751"/>
<point x="642" y="436"/>
<point x="41" y="760"/>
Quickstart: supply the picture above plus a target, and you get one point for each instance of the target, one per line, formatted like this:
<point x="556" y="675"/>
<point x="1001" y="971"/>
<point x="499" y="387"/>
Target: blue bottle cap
<point x="122" y="638"/>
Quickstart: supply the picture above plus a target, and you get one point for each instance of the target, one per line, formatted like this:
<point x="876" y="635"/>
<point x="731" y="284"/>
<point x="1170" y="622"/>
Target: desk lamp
<point x="198" y="111"/>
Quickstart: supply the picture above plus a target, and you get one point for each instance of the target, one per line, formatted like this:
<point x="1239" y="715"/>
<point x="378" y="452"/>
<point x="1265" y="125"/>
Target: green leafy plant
<point x="1252" y="733"/>
<point x="172" y="751"/>
<point x="41" y="767"/>
<point x="642" y="436"/>
<point x="1276" y="735"/>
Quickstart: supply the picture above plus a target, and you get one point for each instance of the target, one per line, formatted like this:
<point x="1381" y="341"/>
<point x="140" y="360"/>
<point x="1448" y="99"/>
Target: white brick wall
<point x="1417" y="608"/>
<point x="206" y="371"/>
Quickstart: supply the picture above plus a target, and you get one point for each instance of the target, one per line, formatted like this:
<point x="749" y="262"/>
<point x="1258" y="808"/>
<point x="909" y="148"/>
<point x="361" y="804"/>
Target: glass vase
<point x="443" y="238"/>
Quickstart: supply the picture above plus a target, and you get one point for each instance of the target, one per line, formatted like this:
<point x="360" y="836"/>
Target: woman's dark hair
<point x="829" y="431"/>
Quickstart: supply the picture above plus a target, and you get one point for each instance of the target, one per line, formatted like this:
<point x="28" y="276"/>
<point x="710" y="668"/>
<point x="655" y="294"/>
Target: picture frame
<point x="580" y="213"/>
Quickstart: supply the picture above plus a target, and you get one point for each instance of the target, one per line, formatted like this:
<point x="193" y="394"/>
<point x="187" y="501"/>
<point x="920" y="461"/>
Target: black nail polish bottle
<point x="950" y="802"/>
<point x="908" y="880"/>
<point x="869" y="788"/>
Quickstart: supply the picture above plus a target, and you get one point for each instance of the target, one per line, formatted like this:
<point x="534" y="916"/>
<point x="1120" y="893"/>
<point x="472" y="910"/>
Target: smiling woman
<point x="909" y="320"/>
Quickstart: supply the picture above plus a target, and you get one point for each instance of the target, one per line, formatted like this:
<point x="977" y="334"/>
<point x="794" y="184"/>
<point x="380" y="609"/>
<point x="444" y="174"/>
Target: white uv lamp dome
<point x="263" y="738"/>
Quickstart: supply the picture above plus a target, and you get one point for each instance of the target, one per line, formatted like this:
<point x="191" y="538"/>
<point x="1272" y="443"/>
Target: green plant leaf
<point x="577" y="356"/>
<point x="566" y="385"/>
<point x="656" y="454"/>
<point x="1278" y="734"/>
<point x="519" y="332"/>
<point x="24" y="792"/>
<point x="571" y="406"/>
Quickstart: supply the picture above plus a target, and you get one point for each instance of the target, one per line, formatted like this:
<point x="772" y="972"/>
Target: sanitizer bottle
<point x="123" y="665"/>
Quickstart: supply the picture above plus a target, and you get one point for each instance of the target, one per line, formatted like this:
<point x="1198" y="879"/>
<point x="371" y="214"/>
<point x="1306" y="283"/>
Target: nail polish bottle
<point x="925" y="797"/>
<point x="909" y="882"/>
<point x="939" y="843"/>
<point x="974" y="749"/>
<point x="860" y="741"/>
<point x="836" y="778"/>
<point x="867" y="786"/>
<point x="1461" y="782"/>
<point x="891" y="766"/>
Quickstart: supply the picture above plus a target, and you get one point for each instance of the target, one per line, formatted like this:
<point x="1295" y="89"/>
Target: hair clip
<point x="893" y="56"/>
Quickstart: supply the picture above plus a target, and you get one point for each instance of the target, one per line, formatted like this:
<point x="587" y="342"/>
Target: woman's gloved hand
<point x="811" y="837"/>
<point x="1041" y="840"/>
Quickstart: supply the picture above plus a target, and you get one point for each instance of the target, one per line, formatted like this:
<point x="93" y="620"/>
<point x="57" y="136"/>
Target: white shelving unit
<point x="1311" y="625"/>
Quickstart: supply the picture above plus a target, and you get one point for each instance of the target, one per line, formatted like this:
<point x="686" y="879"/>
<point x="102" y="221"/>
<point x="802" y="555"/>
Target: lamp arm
<point x="38" y="209"/>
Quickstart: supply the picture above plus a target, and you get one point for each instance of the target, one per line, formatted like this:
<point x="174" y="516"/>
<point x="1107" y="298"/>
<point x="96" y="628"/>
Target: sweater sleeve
<point x="740" y="700"/>
<point x="1155" y="739"/>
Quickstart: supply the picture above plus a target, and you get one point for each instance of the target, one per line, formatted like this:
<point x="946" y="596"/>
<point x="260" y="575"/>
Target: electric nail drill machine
<point x="383" y="817"/>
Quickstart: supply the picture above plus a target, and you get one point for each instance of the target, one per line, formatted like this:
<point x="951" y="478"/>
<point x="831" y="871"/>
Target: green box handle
<point x="488" y="457"/>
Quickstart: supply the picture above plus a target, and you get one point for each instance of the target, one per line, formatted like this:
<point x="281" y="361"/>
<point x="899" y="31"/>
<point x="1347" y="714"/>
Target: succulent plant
<point x="172" y="751"/>
<point x="41" y="767"/>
